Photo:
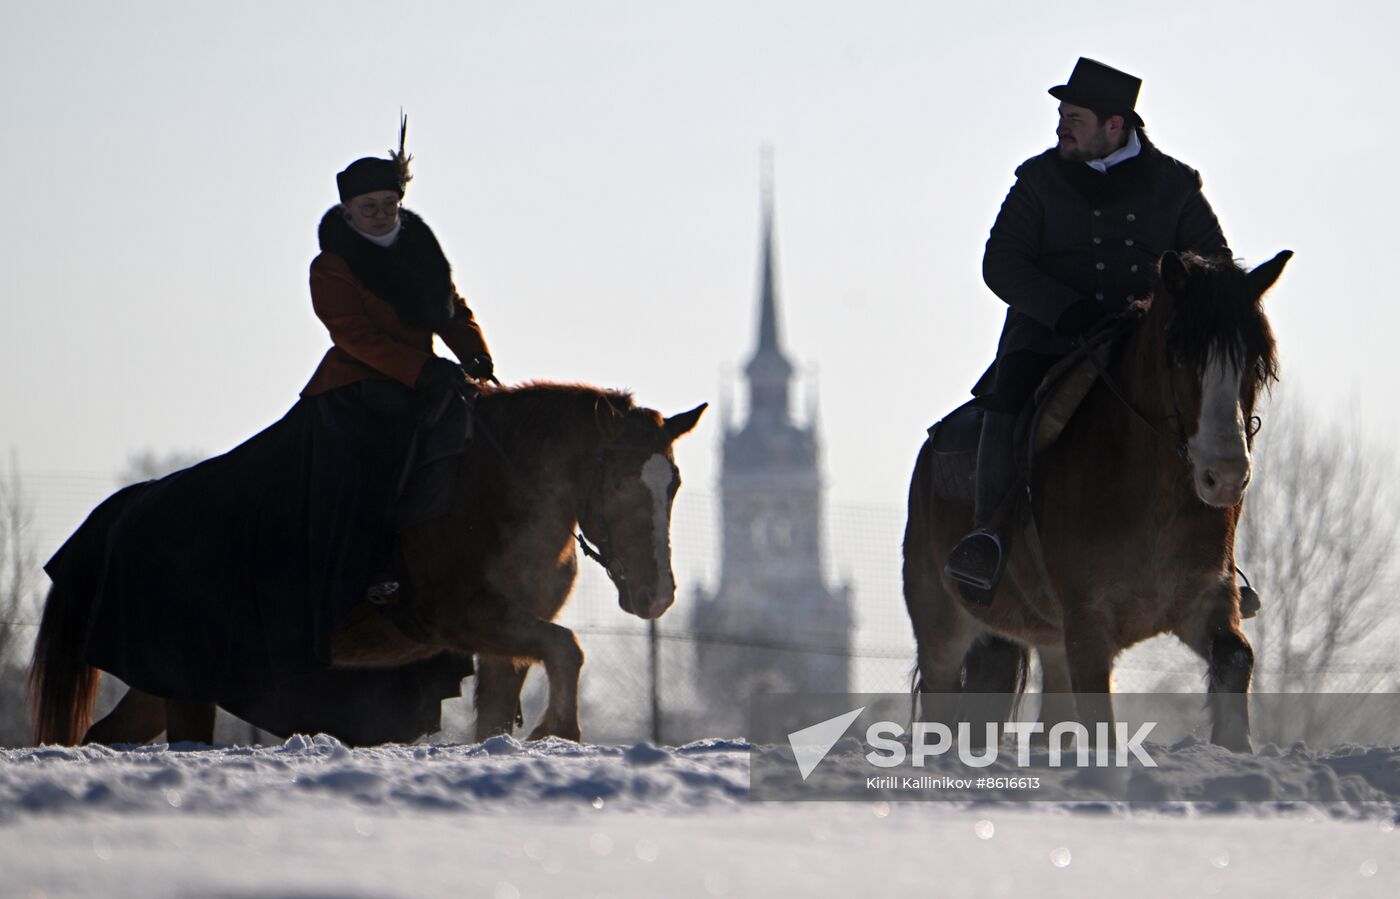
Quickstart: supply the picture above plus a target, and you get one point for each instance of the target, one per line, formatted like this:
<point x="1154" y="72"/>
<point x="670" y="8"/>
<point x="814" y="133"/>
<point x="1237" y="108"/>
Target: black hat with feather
<point x="370" y="173"/>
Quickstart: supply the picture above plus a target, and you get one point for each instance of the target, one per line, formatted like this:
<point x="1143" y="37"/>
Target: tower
<point x="772" y="624"/>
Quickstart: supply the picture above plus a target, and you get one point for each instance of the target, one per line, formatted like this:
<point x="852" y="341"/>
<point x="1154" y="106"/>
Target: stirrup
<point x="976" y="564"/>
<point x="383" y="593"/>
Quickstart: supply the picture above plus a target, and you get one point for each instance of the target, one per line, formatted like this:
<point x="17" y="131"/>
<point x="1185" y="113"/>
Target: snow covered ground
<point x="311" y="818"/>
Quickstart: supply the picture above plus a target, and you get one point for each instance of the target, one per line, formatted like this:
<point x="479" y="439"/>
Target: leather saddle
<point x="953" y="439"/>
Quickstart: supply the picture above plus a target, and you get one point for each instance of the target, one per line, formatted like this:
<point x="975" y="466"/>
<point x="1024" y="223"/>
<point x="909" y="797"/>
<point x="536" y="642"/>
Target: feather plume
<point x="402" y="158"/>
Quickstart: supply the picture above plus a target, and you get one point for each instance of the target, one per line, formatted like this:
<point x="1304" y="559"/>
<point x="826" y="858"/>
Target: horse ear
<point x="1174" y="274"/>
<point x="1264" y="276"/>
<point x="680" y="424"/>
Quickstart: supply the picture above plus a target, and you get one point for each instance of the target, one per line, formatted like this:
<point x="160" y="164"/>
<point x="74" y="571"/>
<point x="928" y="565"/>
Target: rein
<point x="1082" y="348"/>
<point x="1255" y="425"/>
<point x="602" y="553"/>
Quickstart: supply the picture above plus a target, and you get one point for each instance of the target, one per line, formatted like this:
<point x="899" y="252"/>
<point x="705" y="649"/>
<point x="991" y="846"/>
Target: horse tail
<point x="62" y="687"/>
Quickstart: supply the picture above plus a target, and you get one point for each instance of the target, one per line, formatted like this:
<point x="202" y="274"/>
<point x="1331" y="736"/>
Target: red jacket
<point x="370" y="340"/>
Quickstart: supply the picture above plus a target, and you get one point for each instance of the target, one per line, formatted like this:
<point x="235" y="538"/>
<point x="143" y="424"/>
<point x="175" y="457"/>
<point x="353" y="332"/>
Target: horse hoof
<point x="1237" y="744"/>
<point x="563" y="733"/>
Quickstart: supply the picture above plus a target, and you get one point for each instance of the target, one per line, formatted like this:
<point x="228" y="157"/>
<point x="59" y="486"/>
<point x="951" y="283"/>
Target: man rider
<point x="1077" y="240"/>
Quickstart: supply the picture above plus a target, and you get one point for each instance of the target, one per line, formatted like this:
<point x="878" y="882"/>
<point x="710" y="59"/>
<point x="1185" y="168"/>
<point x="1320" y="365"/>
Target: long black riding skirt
<point x="225" y="581"/>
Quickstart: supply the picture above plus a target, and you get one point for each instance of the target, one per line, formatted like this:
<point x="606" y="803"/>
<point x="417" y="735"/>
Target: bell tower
<point x="790" y="631"/>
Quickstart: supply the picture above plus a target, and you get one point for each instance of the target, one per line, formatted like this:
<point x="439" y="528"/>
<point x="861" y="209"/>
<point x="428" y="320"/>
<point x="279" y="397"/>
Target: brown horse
<point x="488" y="579"/>
<point x="1135" y="506"/>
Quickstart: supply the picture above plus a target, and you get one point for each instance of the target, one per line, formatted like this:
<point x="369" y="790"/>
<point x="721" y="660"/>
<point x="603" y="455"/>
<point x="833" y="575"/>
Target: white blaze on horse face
<point x="1220" y="449"/>
<point x="657" y="476"/>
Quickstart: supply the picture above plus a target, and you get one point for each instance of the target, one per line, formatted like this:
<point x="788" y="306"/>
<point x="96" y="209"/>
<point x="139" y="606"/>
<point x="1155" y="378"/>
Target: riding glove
<point x="479" y="368"/>
<point x="1080" y="318"/>
<point x="439" y="374"/>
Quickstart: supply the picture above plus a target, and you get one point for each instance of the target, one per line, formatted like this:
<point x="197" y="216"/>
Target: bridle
<point x="603" y="552"/>
<point x="1181" y="444"/>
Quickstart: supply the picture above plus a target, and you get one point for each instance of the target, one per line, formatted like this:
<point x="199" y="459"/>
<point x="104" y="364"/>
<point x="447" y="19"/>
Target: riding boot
<point x="976" y="563"/>
<point x="389" y="583"/>
<point x="391" y="595"/>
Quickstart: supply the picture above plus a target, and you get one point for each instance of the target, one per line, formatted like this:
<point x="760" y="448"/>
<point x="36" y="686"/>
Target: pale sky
<point x="592" y="172"/>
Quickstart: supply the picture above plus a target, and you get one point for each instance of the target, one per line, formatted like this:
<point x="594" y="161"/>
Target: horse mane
<point x="1220" y="317"/>
<point x="532" y="412"/>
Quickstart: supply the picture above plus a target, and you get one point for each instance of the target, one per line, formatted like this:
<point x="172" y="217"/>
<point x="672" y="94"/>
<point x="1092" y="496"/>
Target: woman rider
<point x="383" y="287"/>
<point x="223" y="582"/>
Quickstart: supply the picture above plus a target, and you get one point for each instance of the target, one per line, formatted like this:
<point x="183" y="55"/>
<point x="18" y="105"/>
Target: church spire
<point x="769" y="371"/>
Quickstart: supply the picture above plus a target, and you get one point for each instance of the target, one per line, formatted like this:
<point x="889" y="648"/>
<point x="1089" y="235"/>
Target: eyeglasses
<point x="369" y="209"/>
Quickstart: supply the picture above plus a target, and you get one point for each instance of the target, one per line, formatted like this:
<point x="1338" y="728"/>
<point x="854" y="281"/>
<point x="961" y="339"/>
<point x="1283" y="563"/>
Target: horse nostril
<point x="1210" y="479"/>
<point x="644" y="597"/>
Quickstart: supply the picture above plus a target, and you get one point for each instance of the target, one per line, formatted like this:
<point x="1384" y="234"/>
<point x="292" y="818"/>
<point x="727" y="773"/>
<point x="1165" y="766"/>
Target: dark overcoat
<point x="1067" y="232"/>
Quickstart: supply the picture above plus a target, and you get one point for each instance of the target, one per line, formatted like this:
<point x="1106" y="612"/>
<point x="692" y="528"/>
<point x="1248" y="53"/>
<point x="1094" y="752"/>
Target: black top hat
<point x="1101" y="88"/>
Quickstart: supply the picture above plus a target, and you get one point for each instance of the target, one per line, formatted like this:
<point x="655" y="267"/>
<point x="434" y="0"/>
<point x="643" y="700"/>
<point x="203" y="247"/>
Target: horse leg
<point x="1089" y="651"/>
<point x="137" y="717"/>
<point x="943" y="634"/>
<point x="1056" y="691"/>
<point x="499" y="680"/>
<point x="523" y="636"/>
<point x="994" y="677"/>
<point x="189" y="722"/>
<point x="1230" y="667"/>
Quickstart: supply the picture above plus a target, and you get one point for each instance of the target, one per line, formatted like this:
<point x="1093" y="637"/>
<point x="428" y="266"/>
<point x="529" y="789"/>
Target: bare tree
<point x="148" y="465"/>
<point x="18" y="586"/>
<point x="1319" y="531"/>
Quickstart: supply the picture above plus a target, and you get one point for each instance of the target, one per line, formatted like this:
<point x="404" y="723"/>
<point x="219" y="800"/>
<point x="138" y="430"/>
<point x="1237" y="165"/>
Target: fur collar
<point x="412" y="274"/>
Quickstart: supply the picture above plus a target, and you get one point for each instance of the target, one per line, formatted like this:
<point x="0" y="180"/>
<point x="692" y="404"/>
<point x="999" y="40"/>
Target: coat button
<point x="1130" y="298"/>
<point x="1098" y="212"/>
<point x="1098" y="240"/>
<point x="1099" y="266"/>
<point x="1098" y="296"/>
<point x="1132" y="269"/>
<point x="1131" y="217"/>
<point x="1128" y="242"/>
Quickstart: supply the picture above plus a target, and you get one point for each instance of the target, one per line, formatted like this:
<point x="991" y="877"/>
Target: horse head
<point x="1220" y="353"/>
<point x="627" y="503"/>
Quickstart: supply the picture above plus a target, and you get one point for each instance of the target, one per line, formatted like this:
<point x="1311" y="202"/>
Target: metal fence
<point x="642" y="681"/>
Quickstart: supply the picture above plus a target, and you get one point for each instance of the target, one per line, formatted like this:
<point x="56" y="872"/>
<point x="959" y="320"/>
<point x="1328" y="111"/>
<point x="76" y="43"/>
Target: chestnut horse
<point x="1133" y="509"/>
<point x="487" y="579"/>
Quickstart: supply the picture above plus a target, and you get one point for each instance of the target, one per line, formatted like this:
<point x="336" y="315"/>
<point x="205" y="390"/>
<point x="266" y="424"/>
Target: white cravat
<point x="1132" y="148"/>
<point x="383" y="240"/>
